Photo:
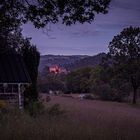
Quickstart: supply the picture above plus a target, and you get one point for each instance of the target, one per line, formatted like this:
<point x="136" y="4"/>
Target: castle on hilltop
<point x="57" y="69"/>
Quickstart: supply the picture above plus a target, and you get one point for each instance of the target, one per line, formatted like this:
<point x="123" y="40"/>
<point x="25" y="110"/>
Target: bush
<point x="35" y="108"/>
<point x="108" y="93"/>
<point x="55" y="110"/>
<point x="105" y="92"/>
<point x="121" y="88"/>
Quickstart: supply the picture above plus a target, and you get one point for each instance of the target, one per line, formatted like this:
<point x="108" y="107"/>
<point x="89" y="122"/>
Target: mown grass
<point x="57" y="124"/>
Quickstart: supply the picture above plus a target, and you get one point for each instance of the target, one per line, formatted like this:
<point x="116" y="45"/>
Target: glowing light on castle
<point x="57" y="70"/>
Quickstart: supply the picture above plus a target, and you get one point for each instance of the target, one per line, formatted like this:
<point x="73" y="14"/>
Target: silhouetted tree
<point x="41" y="12"/>
<point x="31" y="57"/>
<point x="125" y="51"/>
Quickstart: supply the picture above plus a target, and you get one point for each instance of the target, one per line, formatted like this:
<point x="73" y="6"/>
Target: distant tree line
<point x="100" y="80"/>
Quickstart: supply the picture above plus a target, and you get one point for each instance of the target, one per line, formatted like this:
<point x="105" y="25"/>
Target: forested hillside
<point x="70" y="62"/>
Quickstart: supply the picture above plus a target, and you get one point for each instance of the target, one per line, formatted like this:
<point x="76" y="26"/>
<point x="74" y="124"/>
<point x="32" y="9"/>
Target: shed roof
<point x="12" y="68"/>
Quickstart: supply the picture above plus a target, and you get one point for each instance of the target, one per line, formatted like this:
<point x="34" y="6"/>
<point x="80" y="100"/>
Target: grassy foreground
<point x="83" y="120"/>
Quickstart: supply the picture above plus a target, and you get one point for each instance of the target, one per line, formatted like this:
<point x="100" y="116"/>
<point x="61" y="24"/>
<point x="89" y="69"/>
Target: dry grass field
<point x="81" y="120"/>
<point x="102" y="120"/>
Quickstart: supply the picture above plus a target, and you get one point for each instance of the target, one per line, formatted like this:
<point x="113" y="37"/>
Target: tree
<point x="124" y="49"/>
<point x="41" y="12"/>
<point x="12" y="40"/>
<point x="31" y="57"/>
<point x="107" y="85"/>
<point x="78" y="81"/>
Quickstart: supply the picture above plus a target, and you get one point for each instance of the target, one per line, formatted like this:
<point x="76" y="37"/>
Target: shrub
<point x="35" y="108"/>
<point x="55" y="110"/>
<point x="105" y="92"/>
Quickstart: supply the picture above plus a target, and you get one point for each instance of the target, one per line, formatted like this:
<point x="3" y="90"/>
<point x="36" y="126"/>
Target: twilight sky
<point x="87" y="39"/>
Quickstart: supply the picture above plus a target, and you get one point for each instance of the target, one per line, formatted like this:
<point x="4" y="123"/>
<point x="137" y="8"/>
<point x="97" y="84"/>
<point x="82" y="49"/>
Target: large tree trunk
<point x="134" y="95"/>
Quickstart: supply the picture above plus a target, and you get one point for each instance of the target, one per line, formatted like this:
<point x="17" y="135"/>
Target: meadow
<point x="69" y="118"/>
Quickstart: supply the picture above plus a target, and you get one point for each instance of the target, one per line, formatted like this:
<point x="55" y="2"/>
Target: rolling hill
<point x="71" y="62"/>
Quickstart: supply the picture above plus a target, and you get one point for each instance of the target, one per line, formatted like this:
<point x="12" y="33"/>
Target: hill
<point x="85" y="62"/>
<point x="71" y="62"/>
<point x="60" y="60"/>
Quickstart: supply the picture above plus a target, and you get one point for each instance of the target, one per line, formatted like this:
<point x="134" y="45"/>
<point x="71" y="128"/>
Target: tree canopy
<point x="31" y="57"/>
<point x="125" y="50"/>
<point x="42" y="12"/>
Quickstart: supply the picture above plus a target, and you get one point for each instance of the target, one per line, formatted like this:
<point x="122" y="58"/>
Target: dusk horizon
<point x="71" y="54"/>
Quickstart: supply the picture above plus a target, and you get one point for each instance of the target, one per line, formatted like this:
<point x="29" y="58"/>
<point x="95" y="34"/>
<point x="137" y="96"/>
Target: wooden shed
<point x="14" y="78"/>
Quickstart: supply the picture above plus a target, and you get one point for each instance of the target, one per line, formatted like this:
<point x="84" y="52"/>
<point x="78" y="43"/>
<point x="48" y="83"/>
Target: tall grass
<point x="16" y="125"/>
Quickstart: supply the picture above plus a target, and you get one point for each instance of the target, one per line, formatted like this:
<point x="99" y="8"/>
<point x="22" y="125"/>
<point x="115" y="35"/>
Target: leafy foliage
<point x="78" y="81"/>
<point x="31" y="58"/>
<point x="42" y="12"/>
<point x="103" y="82"/>
<point x="125" y="50"/>
<point x="106" y="84"/>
